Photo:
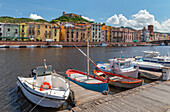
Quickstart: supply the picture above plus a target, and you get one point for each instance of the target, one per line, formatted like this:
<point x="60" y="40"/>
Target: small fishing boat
<point x="56" y="46"/>
<point x="46" y="88"/>
<point x="119" y="66"/>
<point x="14" y="46"/>
<point x="85" y="79"/>
<point x="31" y="46"/>
<point x="119" y="80"/>
<point x="103" y="44"/>
<point x="91" y="83"/>
<point x="138" y="61"/>
<point x="155" y="57"/>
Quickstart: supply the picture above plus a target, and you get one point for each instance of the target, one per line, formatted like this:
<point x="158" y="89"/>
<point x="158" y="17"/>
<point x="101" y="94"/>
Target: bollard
<point x="166" y="73"/>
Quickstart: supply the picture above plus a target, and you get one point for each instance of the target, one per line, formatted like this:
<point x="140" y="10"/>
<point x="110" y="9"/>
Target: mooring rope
<point x="38" y="103"/>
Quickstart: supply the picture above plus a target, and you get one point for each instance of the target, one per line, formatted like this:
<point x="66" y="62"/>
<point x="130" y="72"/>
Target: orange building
<point x="108" y="33"/>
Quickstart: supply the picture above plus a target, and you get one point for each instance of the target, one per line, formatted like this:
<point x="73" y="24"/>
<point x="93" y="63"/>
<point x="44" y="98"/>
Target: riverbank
<point x="70" y="44"/>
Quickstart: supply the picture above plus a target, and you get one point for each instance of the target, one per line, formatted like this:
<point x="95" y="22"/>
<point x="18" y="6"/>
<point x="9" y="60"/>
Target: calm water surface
<point x="18" y="62"/>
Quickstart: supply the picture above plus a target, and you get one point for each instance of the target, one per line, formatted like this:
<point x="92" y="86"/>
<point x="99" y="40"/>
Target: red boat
<point x="119" y="80"/>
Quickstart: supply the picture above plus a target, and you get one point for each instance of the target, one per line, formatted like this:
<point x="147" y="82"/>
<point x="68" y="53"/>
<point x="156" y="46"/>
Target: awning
<point x="135" y="41"/>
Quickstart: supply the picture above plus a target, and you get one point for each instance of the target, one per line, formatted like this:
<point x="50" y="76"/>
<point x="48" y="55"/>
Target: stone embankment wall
<point x="24" y="43"/>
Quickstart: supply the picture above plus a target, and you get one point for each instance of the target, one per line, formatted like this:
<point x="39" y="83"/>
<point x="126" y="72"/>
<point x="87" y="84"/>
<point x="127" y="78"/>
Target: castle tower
<point x="63" y="12"/>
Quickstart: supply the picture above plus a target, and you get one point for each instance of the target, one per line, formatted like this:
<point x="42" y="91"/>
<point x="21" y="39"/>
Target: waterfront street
<point x="19" y="62"/>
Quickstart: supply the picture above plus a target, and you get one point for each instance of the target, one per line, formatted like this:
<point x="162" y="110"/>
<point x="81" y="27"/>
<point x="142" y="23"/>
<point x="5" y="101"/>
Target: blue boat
<point x="102" y="45"/>
<point x="91" y="83"/>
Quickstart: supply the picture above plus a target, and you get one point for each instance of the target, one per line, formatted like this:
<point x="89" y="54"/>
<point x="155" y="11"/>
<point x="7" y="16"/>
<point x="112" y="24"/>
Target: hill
<point x="7" y="19"/>
<point x="75" y="19"/>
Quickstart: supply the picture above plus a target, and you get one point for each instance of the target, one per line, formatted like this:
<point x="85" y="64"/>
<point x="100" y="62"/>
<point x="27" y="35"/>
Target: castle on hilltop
<point x="71" y="14"/>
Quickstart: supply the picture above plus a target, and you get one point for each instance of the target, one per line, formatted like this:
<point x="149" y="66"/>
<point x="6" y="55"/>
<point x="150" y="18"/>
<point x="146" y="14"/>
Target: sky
<point x="128" y="13"/>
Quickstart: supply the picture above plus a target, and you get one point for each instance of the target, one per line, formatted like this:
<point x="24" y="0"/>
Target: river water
<point x="19" y="62"/>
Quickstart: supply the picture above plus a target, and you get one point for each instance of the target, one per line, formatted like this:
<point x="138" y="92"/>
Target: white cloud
<point x="35" y="16"/>
<point x="87" y="18"/>
<point x="139" y="20"/>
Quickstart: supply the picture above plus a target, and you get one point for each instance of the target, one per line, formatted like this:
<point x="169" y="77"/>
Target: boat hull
<point x="125" y="85"/>
<point x="99" y="87"/>
<point x="166" y="64"/>
<point x="35" y="98"/>
<point x="124" y="82"/>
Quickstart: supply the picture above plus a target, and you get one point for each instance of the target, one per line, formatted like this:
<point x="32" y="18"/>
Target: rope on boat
<point x="38" y="103"/>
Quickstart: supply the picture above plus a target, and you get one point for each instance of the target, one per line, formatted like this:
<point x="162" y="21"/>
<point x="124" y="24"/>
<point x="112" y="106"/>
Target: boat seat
<point x="76" y="75"/>
<point x="115" y="78"/>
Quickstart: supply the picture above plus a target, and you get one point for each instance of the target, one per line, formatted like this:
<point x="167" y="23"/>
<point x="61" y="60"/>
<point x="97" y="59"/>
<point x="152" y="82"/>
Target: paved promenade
<point x="153" y="97"/>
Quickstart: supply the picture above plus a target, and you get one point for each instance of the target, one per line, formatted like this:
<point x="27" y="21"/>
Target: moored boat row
<point x="30" y="46"/>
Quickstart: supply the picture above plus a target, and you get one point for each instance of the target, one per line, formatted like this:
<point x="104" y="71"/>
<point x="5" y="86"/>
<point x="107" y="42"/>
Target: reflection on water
<point x="19" y="62"/>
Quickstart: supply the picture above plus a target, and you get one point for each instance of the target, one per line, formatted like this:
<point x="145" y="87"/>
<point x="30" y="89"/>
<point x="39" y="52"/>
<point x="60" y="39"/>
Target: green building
<point x="11" y="31"/>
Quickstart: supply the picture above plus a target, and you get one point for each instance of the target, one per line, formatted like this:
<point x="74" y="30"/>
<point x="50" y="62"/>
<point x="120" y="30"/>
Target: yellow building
<point x="108" y="33"/>
<point x="55" y="32"/>
<point x="23" y="30"/>
<point x="88" y="32"/>
<point x="39" y="31"/>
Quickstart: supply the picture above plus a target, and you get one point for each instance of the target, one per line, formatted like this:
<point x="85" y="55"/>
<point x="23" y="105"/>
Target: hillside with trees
<point x="6" y="19"/>
<point x="75" y="19"/>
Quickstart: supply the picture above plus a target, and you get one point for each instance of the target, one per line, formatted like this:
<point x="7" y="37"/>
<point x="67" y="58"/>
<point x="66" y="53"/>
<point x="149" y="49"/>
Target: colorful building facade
<point x="1" y="29"/>
<point x="23" y="30"/>
<point x="107" y="33"/>
<point x="96" y="32"/>
<point x="56" y="30"/>
<point x="11" y="30"/>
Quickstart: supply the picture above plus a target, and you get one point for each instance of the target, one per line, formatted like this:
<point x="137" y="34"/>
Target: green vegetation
<point x="75" y="19"/>
<point x="130" y="28"/>
<point x="19" y="20"/>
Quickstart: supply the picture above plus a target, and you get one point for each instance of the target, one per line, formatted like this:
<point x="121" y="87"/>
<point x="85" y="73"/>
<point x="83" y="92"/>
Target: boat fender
<point x="105" y="92"/>
<point x="45" y="83"/>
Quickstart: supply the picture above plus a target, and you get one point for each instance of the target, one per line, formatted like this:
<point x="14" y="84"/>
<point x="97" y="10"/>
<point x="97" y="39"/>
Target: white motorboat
<point x="57" y="46"/>
<point x="2" y="46"/>
<point x="14" y="46"/>
<point x="103" y="44"/>
<point x="153" y="56"/>
<point x="31" y="46"/>
<point x="138" y="61"/>
<point x="120" y="66"/>
<point x="46" y="88"/>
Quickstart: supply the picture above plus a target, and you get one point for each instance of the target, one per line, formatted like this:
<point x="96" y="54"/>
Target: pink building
<point x="128" y="35"/>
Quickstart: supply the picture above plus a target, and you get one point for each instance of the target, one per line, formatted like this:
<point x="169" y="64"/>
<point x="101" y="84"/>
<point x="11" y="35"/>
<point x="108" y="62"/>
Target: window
<point x="16" y="30"/>
<point x="22" y="26"/>
<point x="33" y="26"/>
<point x="45" y="26"/>
<point x="55" y="30"/>
<point x="45" y="32"/>
<point x="29" y="26"/>
<point x="29" y="31"/>
<point x="38" y="26"/>
<point x="38" y="32"/>
<point x="50" y="32"/>
<point x="49" y="26"/>
<point x="0" y="29"/>
<point x="33" y="32"/>
<point x="8" y="29"/>
<point x="122" y="65"/>
<point x="55" y="34"/>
